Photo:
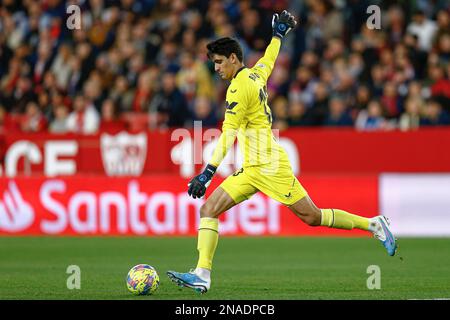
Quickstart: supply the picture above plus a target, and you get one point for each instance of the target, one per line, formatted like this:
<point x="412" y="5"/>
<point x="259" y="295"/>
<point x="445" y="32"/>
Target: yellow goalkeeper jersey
<point x="248" y="115"/>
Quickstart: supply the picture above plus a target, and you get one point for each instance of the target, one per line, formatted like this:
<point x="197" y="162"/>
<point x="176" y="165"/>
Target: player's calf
<point x="307" y="211"/>
<point x="312" y="218"/>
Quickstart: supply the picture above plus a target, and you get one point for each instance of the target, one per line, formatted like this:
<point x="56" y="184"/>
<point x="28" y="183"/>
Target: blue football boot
<point x="190" y="280"/>
<point x="380" y="225"/>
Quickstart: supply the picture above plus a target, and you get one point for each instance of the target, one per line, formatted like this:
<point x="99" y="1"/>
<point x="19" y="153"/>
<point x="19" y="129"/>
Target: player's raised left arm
<point x="281" y="25"/>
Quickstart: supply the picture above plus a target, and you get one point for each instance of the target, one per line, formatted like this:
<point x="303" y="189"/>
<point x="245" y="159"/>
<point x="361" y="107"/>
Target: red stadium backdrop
<point x="135" y="184"/>
<point x="159" y="205"/>
<point x="310" y="150"/>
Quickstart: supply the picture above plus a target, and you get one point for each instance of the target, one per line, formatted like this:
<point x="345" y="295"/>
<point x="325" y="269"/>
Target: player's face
<point x="224" y="66"/>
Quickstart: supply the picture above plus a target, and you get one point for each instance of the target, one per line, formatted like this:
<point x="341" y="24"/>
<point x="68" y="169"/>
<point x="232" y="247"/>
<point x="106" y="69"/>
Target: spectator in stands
<point x="43" y="61"/>
<point x="22" y="94"/>
<point x="387" y="62"/>
<point x="441" y="39"/>
<point x="424" y="28"/>
<point x="145" y="89"/>
<point x="5" y="55"/>
<point x="2" y="118"/>
<point x="168" y="56"/>
<point x="335" y="48"/>
<point x="105" y="73"/>
<point x="355" y="65"/>
<point x="135" y="67"/>
<point x="61" y="66"/>
<point x="33" y="120"/>
<point x="76" y="78"/>
<point x="122" y="94"/>
<point x="390" y="99"/>
<point x="49" y="82"/>
<point x="278" y="83"/>
<point x="338" y="114"/>
<point x="404" y="69"/>
<point x="371" y="118"/>
<point x="193" y="78"/>
<point x="110" y="120"/>
<point x="84" y="119"/>
<point x="440" y="84"/>
<point x="412" y="117"/>
<point x="303" y="86"/>
<point x="311" y="60"/>
<point x="169" y="105"/>
<point x="252" y="30"/>
<point x="125" y="47"/>
<point x="200" y="28"/>
<point x="443" y="22"/>
<point x="416" y="54"/>
<point x="345" y="86"/>
<point x="395" y="24"/>
<point x="204" y="112"/>
<point x="84" y="52"/>
<point x="297" y="110"/>
<point x="93" y="91"/>
<point x="280" y="113"/>
<point x="60" y="116"/>
<point x="435" y="115"/>
<point x="324" y="23"/>
<point x="362" y="98"/>
<point x="443" y="47"/>
<point x="377" y="79"/>
<point x="317" y="114"/>
<point x="446" y="104"/>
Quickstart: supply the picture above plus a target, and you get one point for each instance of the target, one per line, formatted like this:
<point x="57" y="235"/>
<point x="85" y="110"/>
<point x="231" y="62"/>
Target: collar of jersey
<point x="242" y="68"/>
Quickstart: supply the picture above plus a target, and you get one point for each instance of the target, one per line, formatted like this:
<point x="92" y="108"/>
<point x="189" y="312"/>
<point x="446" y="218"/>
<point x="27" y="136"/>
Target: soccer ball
<point x="142" y="279"/>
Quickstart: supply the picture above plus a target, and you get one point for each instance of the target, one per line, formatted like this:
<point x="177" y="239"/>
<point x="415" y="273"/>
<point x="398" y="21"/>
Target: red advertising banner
<point x="183" y="152"/>
<point x="160" y="205"/>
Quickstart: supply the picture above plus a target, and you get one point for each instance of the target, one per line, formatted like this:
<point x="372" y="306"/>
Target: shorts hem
<point x="294" y="200"/>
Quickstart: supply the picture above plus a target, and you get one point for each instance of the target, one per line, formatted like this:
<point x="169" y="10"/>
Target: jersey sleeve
<point x="236" y="109"/>
<point x="265" y="65"/>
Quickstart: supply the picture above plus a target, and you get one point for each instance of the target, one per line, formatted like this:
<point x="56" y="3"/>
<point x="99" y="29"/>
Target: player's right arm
<point x="236" y="109"/>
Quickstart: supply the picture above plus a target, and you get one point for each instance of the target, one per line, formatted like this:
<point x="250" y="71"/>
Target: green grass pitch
<point x="244" y="267"/>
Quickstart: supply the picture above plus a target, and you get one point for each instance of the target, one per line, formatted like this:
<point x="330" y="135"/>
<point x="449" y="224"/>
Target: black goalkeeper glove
<point x="197" y="185"/>
<point x="282" y="24"/>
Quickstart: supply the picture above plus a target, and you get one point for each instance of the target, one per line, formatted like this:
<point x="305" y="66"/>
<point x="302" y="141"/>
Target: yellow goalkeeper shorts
<point x="278" y="183"/>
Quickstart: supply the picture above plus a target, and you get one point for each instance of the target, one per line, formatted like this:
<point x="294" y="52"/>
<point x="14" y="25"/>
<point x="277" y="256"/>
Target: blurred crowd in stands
<point x="142" y="64"/>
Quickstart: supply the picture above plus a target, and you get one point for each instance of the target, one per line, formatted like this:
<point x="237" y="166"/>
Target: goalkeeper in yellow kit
<point x="266" y="166"/>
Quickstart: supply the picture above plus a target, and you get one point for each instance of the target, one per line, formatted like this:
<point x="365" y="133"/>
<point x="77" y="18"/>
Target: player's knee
<point x="204" y="211"/>
<point x="207" y="211"/>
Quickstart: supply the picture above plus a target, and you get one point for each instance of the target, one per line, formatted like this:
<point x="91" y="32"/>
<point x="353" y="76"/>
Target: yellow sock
<point x="339" y="219"/>
<point x="208" y="236"/>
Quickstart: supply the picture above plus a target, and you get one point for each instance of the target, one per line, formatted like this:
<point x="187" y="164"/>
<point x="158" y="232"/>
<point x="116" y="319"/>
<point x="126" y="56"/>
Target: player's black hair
<point x="225" y="47"/>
